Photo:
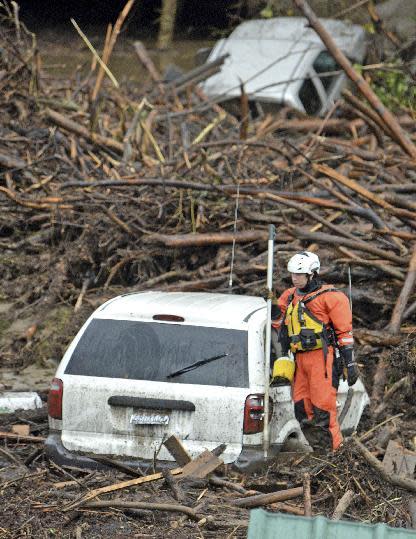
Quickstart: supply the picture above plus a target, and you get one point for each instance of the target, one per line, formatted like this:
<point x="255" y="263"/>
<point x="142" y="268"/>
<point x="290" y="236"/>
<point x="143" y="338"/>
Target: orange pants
<point x="315" y="394"/>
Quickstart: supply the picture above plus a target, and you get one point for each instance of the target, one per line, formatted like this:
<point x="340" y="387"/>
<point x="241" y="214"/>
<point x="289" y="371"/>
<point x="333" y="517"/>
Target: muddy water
<point x="64" y="53"/>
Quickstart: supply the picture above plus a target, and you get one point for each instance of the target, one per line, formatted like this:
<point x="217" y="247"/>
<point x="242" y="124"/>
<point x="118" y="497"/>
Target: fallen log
<point x="292" y="509"/>
<point x="373" y="264"/>
<point x="177" y="241"/>
<point x="401" y="188"/>
<point x="401" y="201"/>
<point x="118" y="466"/>
<point x="122" y="504"/>
<point x="332" y="125"/>
<point x="399" y="308"/>
<point x="301" y="208"/>
<point x="340" y="146"/>
<point x="410" y="310"/>
<point x="321" y="237"/>
<point x="377" y="338"/>
<point x="398" y="233"/>
<point x="352" y="184"/>
<point x="266" y="499"/>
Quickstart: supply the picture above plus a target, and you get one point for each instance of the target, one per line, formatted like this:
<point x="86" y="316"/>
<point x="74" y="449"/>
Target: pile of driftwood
<point x="200" y="496"/>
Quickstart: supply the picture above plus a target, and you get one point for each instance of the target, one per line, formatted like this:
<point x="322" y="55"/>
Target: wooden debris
<point x="412" y="510"/>
<point x="393" y="478"/>
<point x="265" y="499"/>
<point x="118" y="486"/>
<point x="175" y="487"/>
<point x="118" y="465"/>
<point x="399" y="460"/>
<point x="122" y="504"/>
<point x="198" y="240"/>
<point x="21" y="430"/>
<point x="402" y="384"/>
<point x="307" y="495"/>
<point x="403" y="298"/>
<point x="21" y="439"/>
<point x="177" y="450"/>
<point x="343" y="505"/>
<point x="203" y="465"/>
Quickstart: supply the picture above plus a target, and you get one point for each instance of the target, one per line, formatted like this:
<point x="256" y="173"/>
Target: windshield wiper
<point x="195" y="365"/>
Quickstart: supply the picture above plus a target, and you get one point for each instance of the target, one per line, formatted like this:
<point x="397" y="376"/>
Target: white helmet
<point x="304" y="262"/>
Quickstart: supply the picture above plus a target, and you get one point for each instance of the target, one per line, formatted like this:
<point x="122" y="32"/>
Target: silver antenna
<point x="230" y="282"/>
<point x="349" y="286"/>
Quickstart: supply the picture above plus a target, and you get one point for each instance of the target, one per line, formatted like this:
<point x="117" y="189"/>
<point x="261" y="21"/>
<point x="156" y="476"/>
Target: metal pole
<point x="267" y="347"/>
<point x="349" y="286"/>
<point x="230" y="281"/>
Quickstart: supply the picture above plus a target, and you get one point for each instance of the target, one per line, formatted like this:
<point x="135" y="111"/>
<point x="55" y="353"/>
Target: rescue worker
<point x="314" y="322"/>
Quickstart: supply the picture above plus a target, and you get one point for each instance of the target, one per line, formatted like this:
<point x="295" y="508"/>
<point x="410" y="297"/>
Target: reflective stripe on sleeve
<point x="346" y="340"/>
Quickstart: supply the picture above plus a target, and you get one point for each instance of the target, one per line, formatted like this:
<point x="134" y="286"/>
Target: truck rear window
<point x="153" y="351"/>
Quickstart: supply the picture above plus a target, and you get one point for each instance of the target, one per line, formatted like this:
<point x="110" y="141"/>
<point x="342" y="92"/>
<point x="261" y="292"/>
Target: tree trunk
<point x="167" y="24"/>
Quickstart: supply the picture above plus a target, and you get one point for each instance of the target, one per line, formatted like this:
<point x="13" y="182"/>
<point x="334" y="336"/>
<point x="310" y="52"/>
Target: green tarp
<point x="265" y="525"/>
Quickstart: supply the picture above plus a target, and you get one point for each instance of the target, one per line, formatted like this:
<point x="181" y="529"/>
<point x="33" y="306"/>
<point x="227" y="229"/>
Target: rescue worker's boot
<point x="319" y="437"/>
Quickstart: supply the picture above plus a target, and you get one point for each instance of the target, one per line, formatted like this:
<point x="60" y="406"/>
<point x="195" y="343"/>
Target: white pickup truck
<point x="148" y="365"/>
<point x="283" y="62"/>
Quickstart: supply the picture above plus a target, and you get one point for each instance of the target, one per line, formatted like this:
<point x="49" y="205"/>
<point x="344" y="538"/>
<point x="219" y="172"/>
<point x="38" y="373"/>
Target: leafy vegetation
<point x="393" y="85"/>
<point x="395" y="88"/>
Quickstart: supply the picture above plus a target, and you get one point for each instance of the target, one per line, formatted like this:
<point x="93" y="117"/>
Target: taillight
<point x="55" y="398"/>
<point x="254" y="414"/>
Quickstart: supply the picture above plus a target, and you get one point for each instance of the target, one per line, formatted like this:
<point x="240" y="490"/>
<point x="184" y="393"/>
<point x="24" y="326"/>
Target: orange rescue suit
<point x="316" y="378"/>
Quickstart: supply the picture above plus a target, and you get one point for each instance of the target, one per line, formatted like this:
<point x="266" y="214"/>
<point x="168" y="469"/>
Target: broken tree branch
<point x="396" y="317"/>
<point x="343" y="505"/>
<point x="265" y="499"/>
<point x="122" y="504"/>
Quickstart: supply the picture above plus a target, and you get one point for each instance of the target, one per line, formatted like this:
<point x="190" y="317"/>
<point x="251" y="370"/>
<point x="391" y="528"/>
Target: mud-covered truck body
<point x="148" y="365"/>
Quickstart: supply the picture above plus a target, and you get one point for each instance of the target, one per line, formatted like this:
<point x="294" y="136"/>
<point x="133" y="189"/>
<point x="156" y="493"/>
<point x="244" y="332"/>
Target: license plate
<point x="149" y="419"/>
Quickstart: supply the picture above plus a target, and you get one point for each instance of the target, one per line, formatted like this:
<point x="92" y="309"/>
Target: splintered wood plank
<point x="202" y="465"/>
<point x="177" y="450"/>
<point x="21" y="430"/>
